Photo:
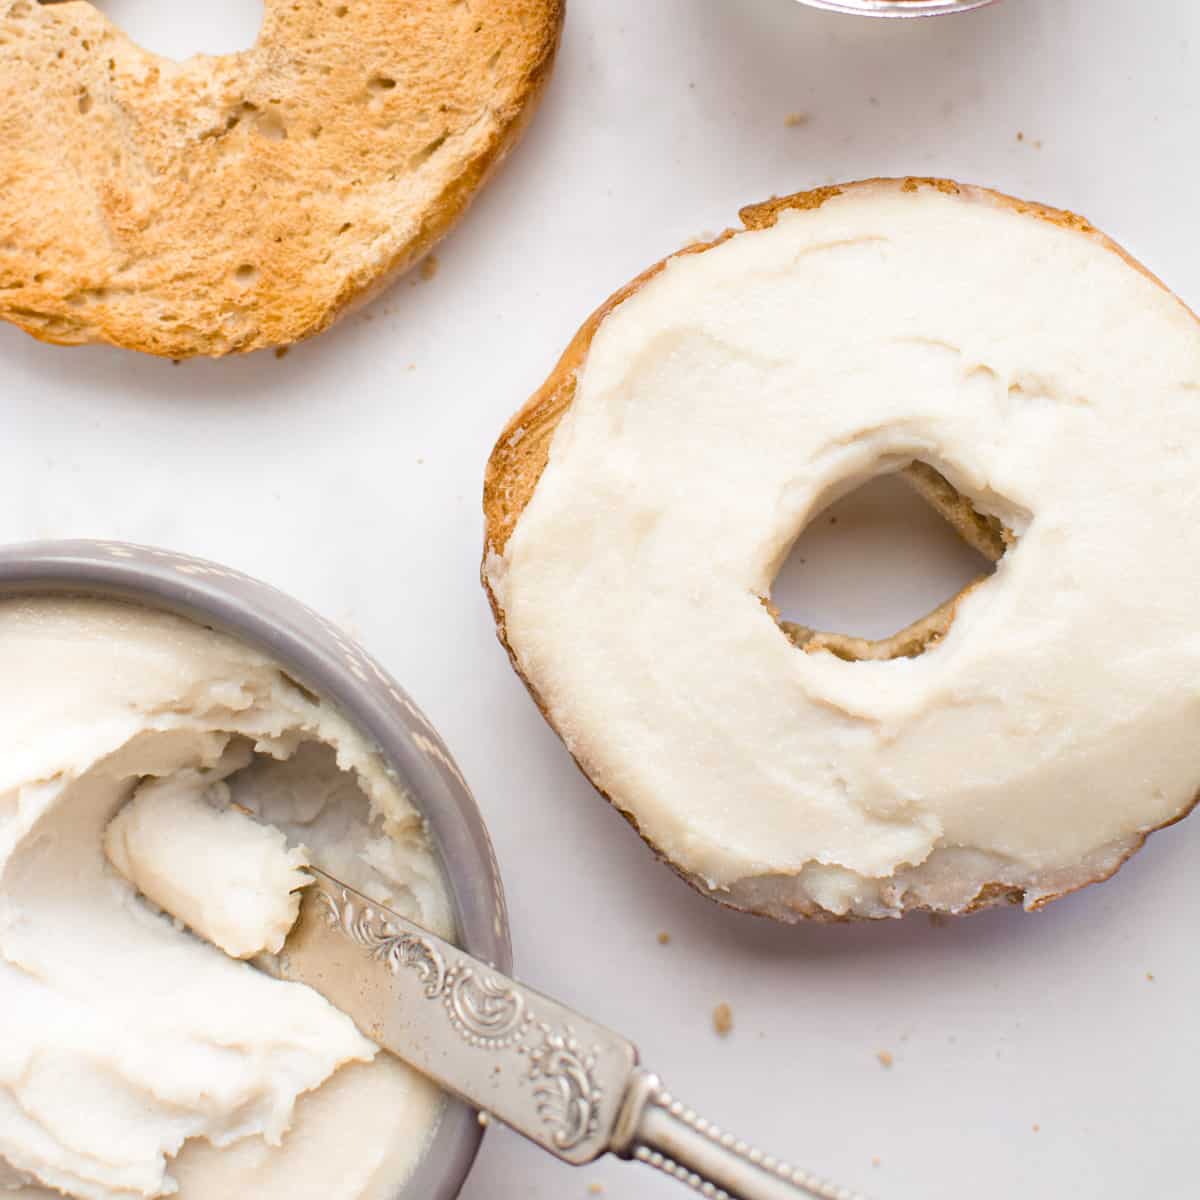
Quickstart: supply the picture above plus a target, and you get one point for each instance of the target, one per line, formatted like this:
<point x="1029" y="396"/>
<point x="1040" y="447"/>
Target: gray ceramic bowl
<point x="898" y="8"/>
<point x="325" y="660"/>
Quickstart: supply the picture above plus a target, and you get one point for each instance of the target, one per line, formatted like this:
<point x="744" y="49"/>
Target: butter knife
<point x="561" y="1080"/>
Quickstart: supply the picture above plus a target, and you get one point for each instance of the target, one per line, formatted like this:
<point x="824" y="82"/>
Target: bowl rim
<point x="326" y="660"/>
<point x="898" y="8"/>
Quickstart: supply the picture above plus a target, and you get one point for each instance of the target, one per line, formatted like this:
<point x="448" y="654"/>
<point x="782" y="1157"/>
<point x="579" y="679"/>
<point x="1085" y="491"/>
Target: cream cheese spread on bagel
<point x="640" y="506"/>
<point x="137" y="1059"/>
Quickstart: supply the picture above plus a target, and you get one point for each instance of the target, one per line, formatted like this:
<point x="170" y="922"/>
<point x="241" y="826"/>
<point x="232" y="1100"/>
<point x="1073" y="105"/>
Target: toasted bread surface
<point x="235" y="202"/>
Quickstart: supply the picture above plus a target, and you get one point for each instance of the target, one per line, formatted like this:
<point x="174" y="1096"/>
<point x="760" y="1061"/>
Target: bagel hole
<point x="865" y="575"/>
<point x="180" y="30"/>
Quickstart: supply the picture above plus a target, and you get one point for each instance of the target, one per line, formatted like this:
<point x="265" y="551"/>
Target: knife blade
<point x="565" y="1082"/>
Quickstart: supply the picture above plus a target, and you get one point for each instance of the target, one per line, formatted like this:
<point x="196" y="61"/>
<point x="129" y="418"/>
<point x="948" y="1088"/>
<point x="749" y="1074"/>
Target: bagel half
<point x="230" y="203"/>
<point x="965" y="882"/>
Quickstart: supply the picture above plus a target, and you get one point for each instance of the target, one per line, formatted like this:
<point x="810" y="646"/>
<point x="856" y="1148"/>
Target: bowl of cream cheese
<point x="138" y="1059"/>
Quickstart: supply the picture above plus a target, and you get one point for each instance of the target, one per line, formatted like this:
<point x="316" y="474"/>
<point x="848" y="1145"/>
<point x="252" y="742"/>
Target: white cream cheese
<point x="742" y="390"/>
<point x="228" y="878"/>
<point x="139" y="1060"/>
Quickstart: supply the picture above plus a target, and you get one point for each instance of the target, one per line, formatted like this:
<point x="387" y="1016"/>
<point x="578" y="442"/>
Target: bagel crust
<point x="954" y="878"/>
<point x="230" y="203"/>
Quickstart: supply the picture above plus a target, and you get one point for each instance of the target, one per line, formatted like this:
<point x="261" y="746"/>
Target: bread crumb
<point x="664" y="938"/>
<point x="485" y="1119"/>
<point x="1149" y="976"/>
<point x="885" y="1059"/>
<point x="875" y="1161"/>
<point x="281" y="351"/>
<point x="1020" y="136"/>
<point x="1037" y="1129"/>
<point x="595" y="1189"/>
<point x="723" y="1020"/>
<point x="429" y="267"/>
<point x="796" y="120"/>
<point x="1037" y="145"/>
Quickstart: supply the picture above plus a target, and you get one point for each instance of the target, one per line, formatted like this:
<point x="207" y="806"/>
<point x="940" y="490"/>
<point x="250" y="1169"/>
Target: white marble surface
<point x="1032" y="1055"/>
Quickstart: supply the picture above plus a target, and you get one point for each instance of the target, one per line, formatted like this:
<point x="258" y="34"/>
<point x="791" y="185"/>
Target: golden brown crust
<point x="227" y="204"/>
<point x="522" y="451"/>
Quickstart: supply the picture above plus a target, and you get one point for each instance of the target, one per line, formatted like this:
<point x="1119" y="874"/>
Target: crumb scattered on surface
<point x="281" y="351"/>
<point x="885" y="1058"/>
<point x="595" y="1189"/>
<point x="1149" y="976"/>
<point x="723" y="1020"/>
<point x="429" y="267"/>
<point x="1020" y="136"/>
<point x="796" y="120"/>
<point x="875" y="1161"/>
<point x="1037" y="1129"/>
<point x="873" y="101"/>
<point x="485" y="1119"/>
<point x="664" y="938"/>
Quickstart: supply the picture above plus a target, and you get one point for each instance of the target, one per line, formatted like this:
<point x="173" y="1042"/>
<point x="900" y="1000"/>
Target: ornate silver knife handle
<point x="561" y="1080"/>
<point x="657" y="1129"/>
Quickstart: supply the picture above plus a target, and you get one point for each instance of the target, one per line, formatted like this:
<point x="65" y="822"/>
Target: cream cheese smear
<point x="139" y="1060"/>
<point x="737" y="393"/>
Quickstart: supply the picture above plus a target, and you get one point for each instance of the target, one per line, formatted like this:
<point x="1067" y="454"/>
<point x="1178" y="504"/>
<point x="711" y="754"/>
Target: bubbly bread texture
<point x="1038" y="387"/>
<point x="227" y="203"/>
<point x="138" y="1060"/>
